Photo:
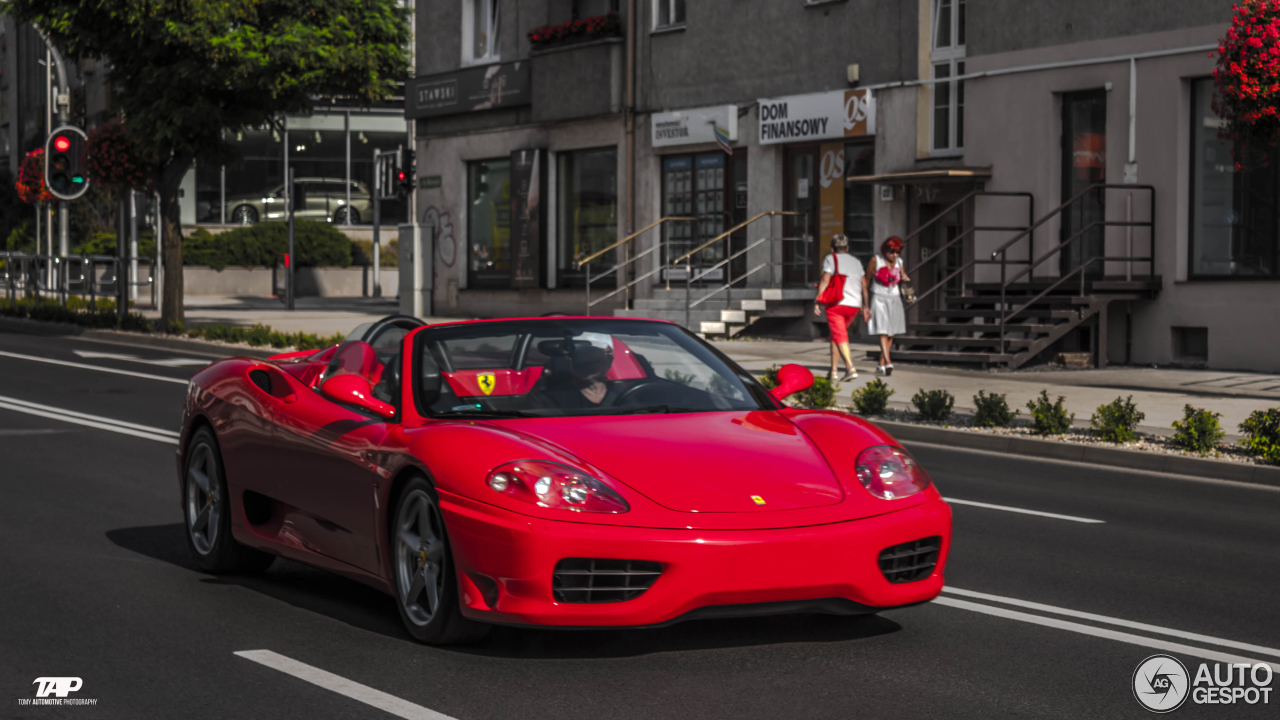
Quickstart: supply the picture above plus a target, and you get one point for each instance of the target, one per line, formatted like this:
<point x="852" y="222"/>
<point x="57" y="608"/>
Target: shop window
<point x="479" y="31"/>
<point x="694" y="186"/>
<point x="668" y="13"/>
<point x="948" y="55"/>
<point x="489" y="223"/>
<point x="587" y="213"/>
<point x="859" y="207"/>
<point x="1234" y="227"/>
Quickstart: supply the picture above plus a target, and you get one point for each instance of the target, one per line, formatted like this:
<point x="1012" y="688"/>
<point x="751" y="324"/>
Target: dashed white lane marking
<point x="83" y="366"/>
<point x="165" y="362"/>
<point x="342" y="686"/>
<point x="1024" y="511"/>
<point x="1274" y="652"/>
<point x="1100" y="632"/>
<point x="93" y="421"/>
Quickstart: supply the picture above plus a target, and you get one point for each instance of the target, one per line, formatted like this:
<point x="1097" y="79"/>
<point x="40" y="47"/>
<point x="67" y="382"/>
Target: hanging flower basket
<point x="574" y="31"/>
<point x="1247" y="80"/>
<point x="30" y="185"/>
<point x="113" y="160"/>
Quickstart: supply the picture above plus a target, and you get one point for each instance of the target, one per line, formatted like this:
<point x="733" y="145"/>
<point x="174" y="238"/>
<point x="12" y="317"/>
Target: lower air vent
<point x="588" y="580"/>
<point x="911" y="561"/>
<point x="262" y="379"/>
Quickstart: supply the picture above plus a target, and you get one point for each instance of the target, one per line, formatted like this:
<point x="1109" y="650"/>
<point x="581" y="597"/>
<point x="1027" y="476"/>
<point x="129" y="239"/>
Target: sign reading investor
<point x="820" y="116"/>
<point x="686" y="127"/>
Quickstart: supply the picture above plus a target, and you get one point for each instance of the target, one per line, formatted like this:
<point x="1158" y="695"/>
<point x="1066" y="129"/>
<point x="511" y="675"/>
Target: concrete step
<point x="695" y="316"/>
<point x="658" y="305"/>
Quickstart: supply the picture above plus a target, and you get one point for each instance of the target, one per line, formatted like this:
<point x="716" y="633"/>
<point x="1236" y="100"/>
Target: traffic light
<point x="64" y="167"/>
<point x="406" y="175"/>
<point x="387" y="166"/>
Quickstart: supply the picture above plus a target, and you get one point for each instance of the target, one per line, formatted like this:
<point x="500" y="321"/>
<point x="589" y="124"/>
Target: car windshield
<point x="556" y="367"/>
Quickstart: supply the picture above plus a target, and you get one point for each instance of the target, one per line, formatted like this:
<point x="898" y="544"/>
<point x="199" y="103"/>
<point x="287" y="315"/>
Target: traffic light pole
<point x="289" y="259"/>
<point x="377" y="220"/>
<point x="63" y="119"/>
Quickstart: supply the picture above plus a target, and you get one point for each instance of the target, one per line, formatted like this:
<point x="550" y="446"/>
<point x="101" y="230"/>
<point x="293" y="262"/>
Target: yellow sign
<point x="757" y="499"/>
<point x="486" y="382"/>
<point x="830" y="194"/>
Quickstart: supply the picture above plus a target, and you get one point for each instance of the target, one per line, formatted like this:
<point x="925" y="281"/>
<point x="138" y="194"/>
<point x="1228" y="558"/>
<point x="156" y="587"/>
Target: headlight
<point x="552" y="485"/>
<point x="888" y="472"/>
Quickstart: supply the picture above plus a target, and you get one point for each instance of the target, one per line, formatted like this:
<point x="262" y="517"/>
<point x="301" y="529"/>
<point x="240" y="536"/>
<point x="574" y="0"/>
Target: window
<point x="1234" y="227"/>
<point x="583" y="9"/>
<point x="479" y="31"/>
<point x="948" y="54"/>
<point x="668" y="13"/>
<point x="587" y="219"/>
<point x="859" y="205"/>
<point x="489" y="223"/>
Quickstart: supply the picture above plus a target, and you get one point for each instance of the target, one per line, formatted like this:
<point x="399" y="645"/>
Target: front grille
<point x="591" y="580"/>
<point x="262" y="379"/>
<point x="911" y="561"/>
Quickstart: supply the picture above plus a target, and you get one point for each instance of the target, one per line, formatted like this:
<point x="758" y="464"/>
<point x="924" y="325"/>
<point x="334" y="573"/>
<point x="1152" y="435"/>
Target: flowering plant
<point x="113" y="160"/>
<point x="606" y="25"/>
<point x="1247" y="79"/>
<point x="30" y="186"/>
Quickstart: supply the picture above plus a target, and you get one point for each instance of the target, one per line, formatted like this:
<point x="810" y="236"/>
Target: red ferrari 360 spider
<point x="569" y="472"/>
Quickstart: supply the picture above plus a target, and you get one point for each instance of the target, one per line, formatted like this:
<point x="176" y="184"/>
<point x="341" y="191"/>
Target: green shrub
<point x="77" y="312"/>
<point x="1116" y="421"/>
<point x="933" y="404"/>
<point x="1198" y="431"/>
<point x="261" y="336"/>
<point x="1262" y="434"/>
<point x="104" y="243"/>
<point x="1049" y="418"/>
<point x="992" y="410"/>
<point x="872" y="398"/>
<point x="316" y="244"/>
<point x="362" y="253"/>
<point x="820" y="395"/>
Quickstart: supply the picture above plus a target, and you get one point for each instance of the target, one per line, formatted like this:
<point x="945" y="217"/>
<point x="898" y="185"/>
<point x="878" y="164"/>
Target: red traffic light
<point x="400" y="176"/>
<point x="62" y="143"/>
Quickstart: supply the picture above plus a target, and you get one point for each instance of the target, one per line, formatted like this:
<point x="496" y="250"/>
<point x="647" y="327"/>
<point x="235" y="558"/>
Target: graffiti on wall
<point x="446" y="245"/>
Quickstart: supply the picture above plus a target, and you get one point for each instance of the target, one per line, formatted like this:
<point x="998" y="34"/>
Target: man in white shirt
<point x="841" y="315"/>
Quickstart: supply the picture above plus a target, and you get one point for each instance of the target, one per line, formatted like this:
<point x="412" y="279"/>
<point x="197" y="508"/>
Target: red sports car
<point x="568" y="472"/>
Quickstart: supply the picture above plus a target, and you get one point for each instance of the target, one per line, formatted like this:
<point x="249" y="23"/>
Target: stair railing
<point x="1002" y="251"/>
<point x="941" y="252"/>
<point x="687" y="259"/>
<point x="627" y="262"/>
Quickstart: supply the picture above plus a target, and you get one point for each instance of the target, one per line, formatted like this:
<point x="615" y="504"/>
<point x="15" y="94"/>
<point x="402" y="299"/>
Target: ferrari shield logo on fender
<point x="486" y="382"/>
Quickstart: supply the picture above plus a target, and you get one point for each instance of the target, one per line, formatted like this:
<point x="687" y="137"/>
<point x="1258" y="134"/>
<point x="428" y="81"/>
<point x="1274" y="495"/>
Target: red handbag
<point x="835" y="289"/>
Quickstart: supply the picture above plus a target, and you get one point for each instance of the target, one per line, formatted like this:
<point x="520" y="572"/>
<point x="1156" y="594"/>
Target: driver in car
<point x="590" y="364"/>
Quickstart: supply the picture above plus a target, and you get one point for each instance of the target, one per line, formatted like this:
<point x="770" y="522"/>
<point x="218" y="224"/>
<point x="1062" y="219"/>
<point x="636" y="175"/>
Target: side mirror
<point x="355" y="390"/>
<point x="792" y="378"/>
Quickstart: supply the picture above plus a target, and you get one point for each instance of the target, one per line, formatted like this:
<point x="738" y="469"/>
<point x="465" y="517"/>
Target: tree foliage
<point x="183" y="72"/>
<point x="114" y="160"/>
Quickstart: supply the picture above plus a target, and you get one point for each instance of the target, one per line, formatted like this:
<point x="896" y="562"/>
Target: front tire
<point x="244" y="215"/>
<point x="425" y="580"/>
<point x="206" y="506"/>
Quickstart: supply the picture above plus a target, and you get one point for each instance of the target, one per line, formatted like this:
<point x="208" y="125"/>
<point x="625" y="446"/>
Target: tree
<point x="183" y="72"/>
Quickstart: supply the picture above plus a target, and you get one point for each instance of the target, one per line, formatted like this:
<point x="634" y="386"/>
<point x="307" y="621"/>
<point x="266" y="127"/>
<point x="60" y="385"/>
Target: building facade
<point x="959" y="125"/>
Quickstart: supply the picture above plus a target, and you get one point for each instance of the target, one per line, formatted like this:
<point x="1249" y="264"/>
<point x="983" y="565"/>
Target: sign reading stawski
<point x="820" y="116"/>
<point x="686" y="127"/>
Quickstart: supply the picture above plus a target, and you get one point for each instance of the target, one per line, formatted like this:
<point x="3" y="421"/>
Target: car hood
<point x="714" y="462"/>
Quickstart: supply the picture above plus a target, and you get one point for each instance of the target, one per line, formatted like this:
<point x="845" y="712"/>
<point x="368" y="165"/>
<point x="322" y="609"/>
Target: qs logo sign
<point x="831" y="168"/>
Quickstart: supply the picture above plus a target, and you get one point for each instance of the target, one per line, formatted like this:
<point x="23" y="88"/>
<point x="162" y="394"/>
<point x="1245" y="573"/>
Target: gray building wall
<point x="1001" y="26"/>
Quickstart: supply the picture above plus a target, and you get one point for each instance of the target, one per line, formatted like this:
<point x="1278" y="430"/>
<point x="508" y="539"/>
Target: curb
<point x="1093" y="454"/>
<point x="118" y="337"/>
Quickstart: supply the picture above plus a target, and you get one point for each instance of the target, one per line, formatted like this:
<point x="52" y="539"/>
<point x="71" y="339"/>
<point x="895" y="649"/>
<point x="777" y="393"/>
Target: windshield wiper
<point x="471" y="411"/>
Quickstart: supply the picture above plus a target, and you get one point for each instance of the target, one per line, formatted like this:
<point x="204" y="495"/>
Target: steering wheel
<point x="629" y="395"/>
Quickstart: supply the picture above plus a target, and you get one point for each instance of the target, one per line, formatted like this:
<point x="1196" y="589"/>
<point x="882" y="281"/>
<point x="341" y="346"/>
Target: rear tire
<point x="206" y="507"/>
<point x="423" y="572"/>
<point x="244" y="215"/>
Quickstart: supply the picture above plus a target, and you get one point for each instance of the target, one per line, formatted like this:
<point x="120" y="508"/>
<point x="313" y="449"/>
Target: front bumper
<point x="507" y="561"/>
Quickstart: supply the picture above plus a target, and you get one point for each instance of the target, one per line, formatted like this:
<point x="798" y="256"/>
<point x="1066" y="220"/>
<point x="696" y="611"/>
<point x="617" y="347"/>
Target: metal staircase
<point x="1012" y="321"/>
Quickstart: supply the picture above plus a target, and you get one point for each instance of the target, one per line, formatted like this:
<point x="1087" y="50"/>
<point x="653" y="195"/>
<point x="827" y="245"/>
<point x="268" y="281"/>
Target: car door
<point x="326" y="460"/>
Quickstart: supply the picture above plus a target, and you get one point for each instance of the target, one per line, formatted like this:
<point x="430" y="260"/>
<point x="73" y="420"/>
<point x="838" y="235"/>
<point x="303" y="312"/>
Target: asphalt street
<point x="1046" y="615"/>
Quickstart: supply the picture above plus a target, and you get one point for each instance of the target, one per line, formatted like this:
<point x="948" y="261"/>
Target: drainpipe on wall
<point x="629" y="119"/>
<point x="1131" y="178"/>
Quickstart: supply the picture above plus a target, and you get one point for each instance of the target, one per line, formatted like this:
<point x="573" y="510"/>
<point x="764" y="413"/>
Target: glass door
<point x="694" y="186"/>
<point x="1084" y="163"/>
<point x="799" y="251"/>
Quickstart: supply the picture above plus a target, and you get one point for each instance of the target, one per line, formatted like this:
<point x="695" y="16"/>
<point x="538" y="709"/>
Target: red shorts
<point x="839" y="317"/>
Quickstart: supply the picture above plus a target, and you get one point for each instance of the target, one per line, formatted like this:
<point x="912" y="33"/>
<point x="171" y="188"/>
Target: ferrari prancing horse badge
<point x="486" y="382"/>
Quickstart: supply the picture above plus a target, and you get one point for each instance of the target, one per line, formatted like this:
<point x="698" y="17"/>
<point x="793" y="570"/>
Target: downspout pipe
<point x="629" y="121"/>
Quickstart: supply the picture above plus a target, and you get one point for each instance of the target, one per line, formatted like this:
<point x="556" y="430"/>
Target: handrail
<point x="1063" y="206"/>
<point x="729" y="232"/>
<point x="972" y="194"/>
<point x="1058" y="248"/>
<point x="631" y="237"/>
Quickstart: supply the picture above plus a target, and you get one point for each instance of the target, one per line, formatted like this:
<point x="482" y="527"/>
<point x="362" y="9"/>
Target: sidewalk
<point x="1160" y="393"/>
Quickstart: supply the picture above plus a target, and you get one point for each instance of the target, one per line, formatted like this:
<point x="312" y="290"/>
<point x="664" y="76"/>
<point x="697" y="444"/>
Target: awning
<point x="907" y="177"/>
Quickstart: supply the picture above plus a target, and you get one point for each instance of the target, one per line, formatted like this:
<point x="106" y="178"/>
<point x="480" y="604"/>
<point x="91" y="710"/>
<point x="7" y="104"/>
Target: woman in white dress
<point x="885" y="315"/>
